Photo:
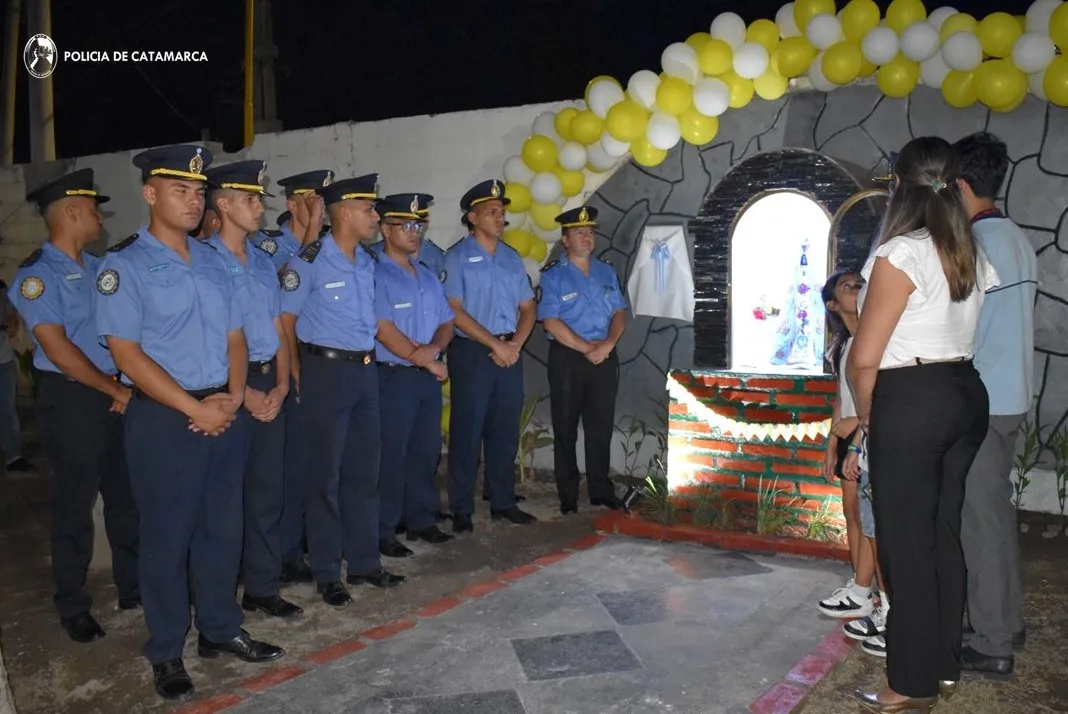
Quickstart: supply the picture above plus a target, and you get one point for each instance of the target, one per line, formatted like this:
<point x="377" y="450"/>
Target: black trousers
<point x="927" y="423"/>
<point x="581" y="390"/>
<point x="85" y="443"/>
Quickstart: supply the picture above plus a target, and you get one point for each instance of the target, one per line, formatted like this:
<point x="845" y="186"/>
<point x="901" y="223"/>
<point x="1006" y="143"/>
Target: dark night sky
<point x="351" y="61"/>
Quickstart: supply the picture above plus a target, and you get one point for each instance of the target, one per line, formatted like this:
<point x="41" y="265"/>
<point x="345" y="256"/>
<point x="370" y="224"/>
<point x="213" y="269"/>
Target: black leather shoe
<point x="611" y="502"/>
<point x="296" y="572"/>
<point x="20" y="464"/>
<point x="442" y="516"/>
<point x="402" y="527"/>
<point x="999" y="668"/>
<point x="379" y="577"/>
<point x="82" y="628"/>
<point x="566" y="508"/>
<point x="461" y="523"/>
<point x="243" y="647"/>
<point x="432" y="535"/>
<point x="518" y="498"/>
<point x="272" y="606"/>
<point x="172" y="681"/>
<point x="393" y="548"/>
<point x="334" y="593"/>
<point x="513" y="514"/>
<point x="129" y="603"/>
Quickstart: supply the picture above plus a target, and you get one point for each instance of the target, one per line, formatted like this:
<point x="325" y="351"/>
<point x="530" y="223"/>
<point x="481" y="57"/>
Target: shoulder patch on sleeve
<point x="549" y="265"/>
<point x="31" y="287"/>
<point x="32" y="258"/>
<point x="124" y="244"/>
<point x="268" y="246"/>
<point x="537" y="294"/>
<point x="373" y="254"/>
<point x="289" y="280"/>
<point x="107" y="283"/>
<point x="311" y="251"/>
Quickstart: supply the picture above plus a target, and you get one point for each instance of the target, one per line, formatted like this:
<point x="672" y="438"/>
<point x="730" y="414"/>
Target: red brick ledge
<point x="788" y="696"/>
<point x="295" y="668"/>
<point x="636" y="526"/>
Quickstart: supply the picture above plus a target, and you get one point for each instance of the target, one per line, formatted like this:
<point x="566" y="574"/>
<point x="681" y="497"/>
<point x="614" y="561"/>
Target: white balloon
<point x="933" y="72"/>
<point x="711" y="96"/>
<point x="534" y="269"/>
<point x="880" y="45"/>
<point x="603" y="95"/>
<point x="642" y="87"/>
<point x="750" y="60"/>
<point x="611" y="147"/>
<point x="550" y="236"/>
<point x="545" y="188"/>
<point x="516" y="220"/>
<point x="543" y="124"/>
<point x="1032" y="52"/>
<point x="816" y="77"/>
<point x="1034" y="81"/>
<point x="663" y="131"/>
<point x="516" y="171"/>
<point x="962" y="51"/>
<point x="680" y="60"/>
<point x="1038" y="15"/>
<point x="823" y="31"/>
<point x="729" y="27"/>
<point x="572" y="156"/>
<point x="784" y="18"/>
<point x="938" y="16"/>
<point x="599" y="159"/>
<point x="919" y="41"/>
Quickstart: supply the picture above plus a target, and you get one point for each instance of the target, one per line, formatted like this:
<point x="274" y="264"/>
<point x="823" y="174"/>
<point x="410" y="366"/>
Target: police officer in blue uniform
<point x="209" y="224"/>
<point x="582" y="308"/>
<point x="328" y="310"/>
<point x="236" y="191"/>
<point x="488" y="289"/>
<point x="80" y="402"/>
<point x="167" y="308"/>
<point x="302" y="220"/>
<point x="414" y="330"/>
<point x="427" y="252"/>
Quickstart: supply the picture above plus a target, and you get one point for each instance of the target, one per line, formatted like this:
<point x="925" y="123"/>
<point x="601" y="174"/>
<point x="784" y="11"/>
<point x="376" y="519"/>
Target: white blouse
<point x="847" y="405"/>
<point x="933" y="327"/>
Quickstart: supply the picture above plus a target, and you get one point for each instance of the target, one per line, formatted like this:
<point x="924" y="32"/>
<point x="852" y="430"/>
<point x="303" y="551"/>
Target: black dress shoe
<point x="243" y="647"/>
<point x="401" y="528"/>
<point x="129" y="603"/>
<point x="432" y="535"/>
<point x="442" y="516"/>
<point x="172" y="681"/>
<point x="393" y="548"/>
<point x="462" y="523"/>
<point x="518" y="498"/>
<point x="378" y="577"/>
<point x="296" y="572"/>
<point x="82" y="628"/>
<point x="566" y="508"/>
<point x="611" y="502"/>
<point x="999" y="668"/>
<point x="20" y="464"/>
<point x="513" y="514"/>
<point x="272" y="606"/>
<point x="334" y="593"/>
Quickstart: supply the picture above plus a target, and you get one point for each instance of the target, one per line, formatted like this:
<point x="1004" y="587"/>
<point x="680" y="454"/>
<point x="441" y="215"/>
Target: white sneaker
<point x="875" y="646"/>
<point x="866" y="627"/>
<point x="845" y="603"/>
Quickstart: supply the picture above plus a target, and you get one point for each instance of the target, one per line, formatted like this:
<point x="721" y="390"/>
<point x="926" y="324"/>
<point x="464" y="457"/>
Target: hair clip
<point x="938" y="186"/>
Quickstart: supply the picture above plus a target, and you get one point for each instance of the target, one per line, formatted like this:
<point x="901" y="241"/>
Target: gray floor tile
<point x="640" y="607"/>
<point x="574" y="655"/>
<point x="501" y="702"/>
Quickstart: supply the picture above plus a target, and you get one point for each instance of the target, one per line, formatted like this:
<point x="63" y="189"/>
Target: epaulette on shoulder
<point x="323" y="231"/>
<point x="549" y="265"/>
<point x="271" y="233"/>
<point x="367" y="249"/>
<point x="424" y="265"/>
<point x="455" y="245"/>
<point x="435" y="246"/>
<point x="124" y="244"/>
<point x="311" y="251"/>
<point x="32" y="258"/>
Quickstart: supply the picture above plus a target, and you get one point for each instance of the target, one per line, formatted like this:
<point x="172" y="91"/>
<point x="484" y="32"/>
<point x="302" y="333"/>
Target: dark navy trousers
<point x="291" y="529"/>
<point x="264" y="493"/>
<point x="339" y="411"/>
<point x="484" y="417"/>
<point x="188" y="488"/>
<point x="411" y="443"/>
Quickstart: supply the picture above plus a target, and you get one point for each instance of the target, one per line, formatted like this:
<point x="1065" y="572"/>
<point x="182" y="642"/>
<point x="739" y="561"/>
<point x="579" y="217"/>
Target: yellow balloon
<point x="518" y="239"/>
<point x="902" y="13"/>
<point x="697" y="129"/>
<point x="538" y="249"/>
<point x="520" y="196"/>
<point x="792" y="57"/>
<point x="539" y="153"/>
<point x="997" y="33"/>
<point x="842" y="62"/>
<point x="1021" y="20"/>
<point x="645" y="153"/>
<point x="698" y="39"/>
<point x="805" y="10"/>
<point x="771" y="85"/>
<point x="961" y="22"/>
<point x="446" y="411"/>
<point x="673" y="97"/>
<point x="626" y="120"/>
<point x="571" y="182"/>
<point x="859" y="17"/>
<point x="742" y="89"/>
<point x="715" y="57"/>
<point x="1058" y="27"/>
<point x="586" y="127"/>
<point x="958" y="89"/>
<point x="998" y="82"/>
<point x="1014" y="104"/>
<point x="595" y="80"/>
<point x="897" y="78"/>
<point x="763" y="32"/>
<point x="867" y="68"/>
<point x="1055" y="82"/>
<point x="446" y="388"/>
<point x="544" y="216"/>
<point x="562" y="122"/>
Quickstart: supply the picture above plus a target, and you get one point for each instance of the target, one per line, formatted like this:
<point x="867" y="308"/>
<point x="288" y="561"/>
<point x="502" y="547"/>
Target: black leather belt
<point x="361" y="357"/>
<point x="261" y="366"/>
<point x="194" y="393"/>
<point x="47" y="373"/>
<point x="395" y="365"/>
<point x="506" y="336"/>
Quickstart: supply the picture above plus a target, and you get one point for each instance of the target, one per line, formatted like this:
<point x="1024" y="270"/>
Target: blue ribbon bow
<point x="661" y="254"/>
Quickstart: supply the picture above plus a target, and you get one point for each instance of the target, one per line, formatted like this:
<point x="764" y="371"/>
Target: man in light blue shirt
<point x="1004" y="356"/>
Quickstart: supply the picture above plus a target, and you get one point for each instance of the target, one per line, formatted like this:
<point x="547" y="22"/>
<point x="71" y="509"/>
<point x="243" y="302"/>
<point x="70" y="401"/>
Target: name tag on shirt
<point x="74" y="276"/>
<point x="476" y="259"/>
<point x="333" y="286"/>
<point x="161" y="266"/>
<point x="569" y="296"/>
<point x="234" y="269"/>
<point x="401" y="306"/>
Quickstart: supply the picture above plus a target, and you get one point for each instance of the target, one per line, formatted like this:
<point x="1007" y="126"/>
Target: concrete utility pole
<point x="42" y="116"/>
<point x="11" y="69"/>
<point x="265" y="53"/>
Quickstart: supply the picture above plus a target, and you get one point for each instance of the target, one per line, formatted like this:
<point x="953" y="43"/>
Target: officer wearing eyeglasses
<point x="427" y="251"/>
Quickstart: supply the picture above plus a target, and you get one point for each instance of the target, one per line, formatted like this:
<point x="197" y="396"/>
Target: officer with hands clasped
<point x="167" y="308"/>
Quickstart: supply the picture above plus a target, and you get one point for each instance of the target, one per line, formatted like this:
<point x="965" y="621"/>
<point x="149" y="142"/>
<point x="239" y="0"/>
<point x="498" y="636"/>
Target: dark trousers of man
<point x="85" y="443"/>
<point x="339" y="405"/>
<point x="991" y="542"/>
<point x="291" y="529"/>
<point x="189" y="491"/>
<point x="264" y="492"/>
<point x="411" y="443"/>
<point x="579" y="389"/>
<point x="486" y="405"/>
<point x="927" y="422"/>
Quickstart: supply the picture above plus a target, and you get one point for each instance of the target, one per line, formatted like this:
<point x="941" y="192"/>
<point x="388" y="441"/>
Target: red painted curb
<point x="782" y="698"/>
<point x="384" y="632"/>
<point x="335" y="651"/>
<point x="272" y="679"/>
<point x="482" y="589"/>
<point x="437" y="607"/>
<point x="213" y="705"/>
<point x="788" y="697"/>
<point x="587" y="542"/>
<point x="520" y="572"/>
<point x="553" y="558"/>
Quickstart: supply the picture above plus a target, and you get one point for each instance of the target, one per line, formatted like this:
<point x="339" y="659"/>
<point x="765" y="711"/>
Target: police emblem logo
<point x="415" y="205"/>
<point x="197" y="162"/>
<point x="583" y="215"/>
<point x="32" y="287"/>
<point x="328" y="178"/>
<point x="262" y="175"/>
<point x="40" y="56"/>
<point x="443" y="275"/>
<point x="290" y="280"/>
<point x="108" y="282"/>
<point x="495" y="190"/>
<point x="269" y="246"/>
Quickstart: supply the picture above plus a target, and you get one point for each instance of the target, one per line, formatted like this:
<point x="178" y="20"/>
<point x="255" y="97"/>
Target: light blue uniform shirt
<point x="258" y="297"/>
<point x="332" y="297"/>
<point x="585" y="304"/>
<point x="429" y="254"/>
<point x="280" y="245"/>
<point x="416" y="304"/>
<point x="1005" y="336"/>
<point x="490" y="286"/>
<point x="56" y="290"/>
<point x="180" y="313"/>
